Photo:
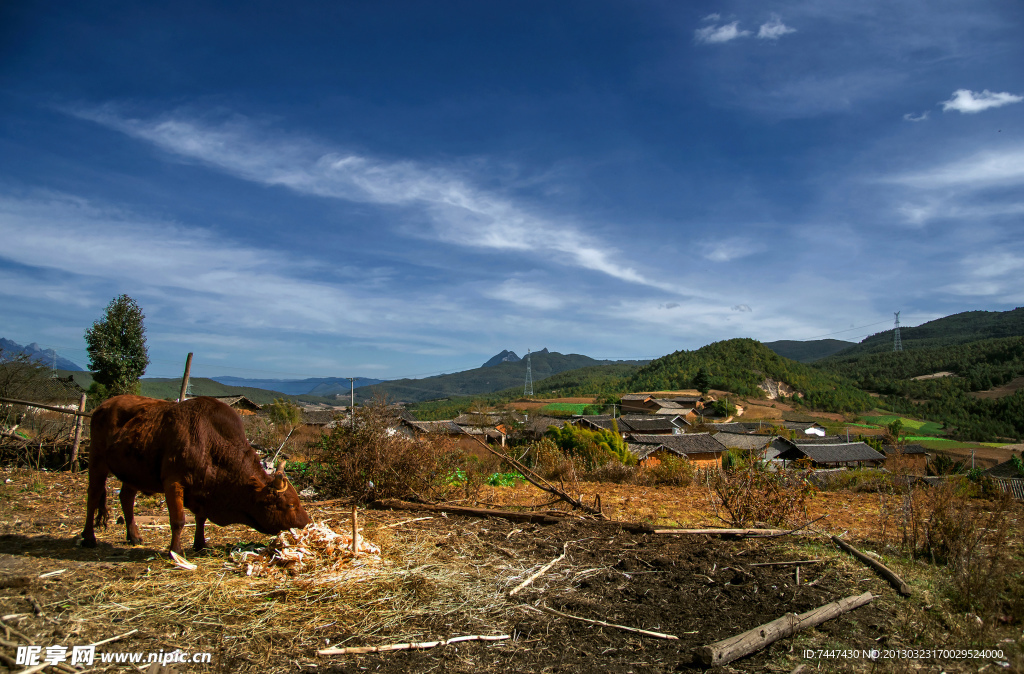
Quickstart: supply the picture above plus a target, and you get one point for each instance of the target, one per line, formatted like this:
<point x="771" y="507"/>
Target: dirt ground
<point x="447" y="576"/>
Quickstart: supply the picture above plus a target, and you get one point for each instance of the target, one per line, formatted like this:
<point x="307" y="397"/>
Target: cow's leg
<point x="200" y="541"/>
<point x="176" y="509"/>
<point x="127" y="497"/>
<point x="96" y="500"/>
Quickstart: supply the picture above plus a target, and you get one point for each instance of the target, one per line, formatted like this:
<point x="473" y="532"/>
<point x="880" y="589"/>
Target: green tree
<point x="117" y="346"/>
<point x="702" y="381"/>
<point x="284" y="413"/>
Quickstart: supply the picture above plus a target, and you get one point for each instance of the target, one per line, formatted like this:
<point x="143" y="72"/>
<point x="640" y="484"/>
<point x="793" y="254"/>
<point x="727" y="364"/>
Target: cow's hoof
<point x="134" y="541"/>
<point x="87" y="542"/>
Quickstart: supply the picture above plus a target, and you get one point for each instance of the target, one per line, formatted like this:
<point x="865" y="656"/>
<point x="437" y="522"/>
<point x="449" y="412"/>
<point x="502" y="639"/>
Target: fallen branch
<point x="885" y="572"/>
<point x="113" y="639"/>
<point x="413" y="645"/>
<point x="539" y="482"/>
<point x="751" y="641"/>
<point x="540" y="573"/>
<point x="721" y="532"/>
<point x="415" y="519"/>
<point x="636" y="630"/>
<point x="395" y="504"/>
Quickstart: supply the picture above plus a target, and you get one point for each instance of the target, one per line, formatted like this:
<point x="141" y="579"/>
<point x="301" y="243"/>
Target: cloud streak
<point x="774" y="29"/>
<point x="719" y="34"/>
<point x="459" y="212"/>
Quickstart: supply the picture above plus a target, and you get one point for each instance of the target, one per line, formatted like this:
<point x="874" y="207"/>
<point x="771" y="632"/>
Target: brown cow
<point x="194" y="452"/>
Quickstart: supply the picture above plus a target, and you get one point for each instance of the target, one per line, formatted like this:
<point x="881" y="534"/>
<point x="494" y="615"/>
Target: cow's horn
<point x="279" y="483"/>
<point x="280" y="466"/>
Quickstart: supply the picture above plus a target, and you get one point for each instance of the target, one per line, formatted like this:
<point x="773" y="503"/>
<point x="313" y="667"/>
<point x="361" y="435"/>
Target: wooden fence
<point x="80" y="414"/>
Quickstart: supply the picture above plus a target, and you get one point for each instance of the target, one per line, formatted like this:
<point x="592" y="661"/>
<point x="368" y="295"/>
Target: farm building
<point x="764" y="446"/>
<point x="911" y="457"/>
<point x="634" y="423"/>
<point x="700" y="448"/>
<point x="643" y="403"/>
<point x="831" y="455"/>
<point x="470" y="443"/>
<point x="240" y="404"/>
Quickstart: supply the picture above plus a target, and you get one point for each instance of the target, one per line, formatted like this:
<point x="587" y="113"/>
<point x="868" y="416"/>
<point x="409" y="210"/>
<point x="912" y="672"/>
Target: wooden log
<point x="751" y="641"/>
<point x="540" y="573"/>
<point x="78" y="435"/>
<point x="885" y="572"/>
<point x="795" y="561"/>
<point x="414" y="645"/>
<point x="721" y="532"/>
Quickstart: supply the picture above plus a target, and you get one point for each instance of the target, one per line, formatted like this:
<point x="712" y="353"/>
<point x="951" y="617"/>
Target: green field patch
<point x="926" y="427"/>
<point x="864" y="425"/>
<point x="572" y="408"/>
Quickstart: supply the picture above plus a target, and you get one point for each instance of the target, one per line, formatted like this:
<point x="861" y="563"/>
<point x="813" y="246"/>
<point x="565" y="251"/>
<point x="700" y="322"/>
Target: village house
<point x="645" y="403"/>
<point x="831" y="454"/>
<point x="240" y="404"/>
<point x="912" y="458"/>
<point x="633" y="423"/>
<point x="700" y="448"/>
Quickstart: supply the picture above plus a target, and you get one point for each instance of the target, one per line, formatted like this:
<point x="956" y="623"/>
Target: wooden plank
<point x="52" y="408"/>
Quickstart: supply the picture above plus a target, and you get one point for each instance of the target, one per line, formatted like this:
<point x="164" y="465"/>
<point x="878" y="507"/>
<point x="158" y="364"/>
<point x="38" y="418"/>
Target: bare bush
<point x="370" y="459"/>
<point x="750" y="494"/>
<point x="945" y="525"/>
<point x="676" y="471"/>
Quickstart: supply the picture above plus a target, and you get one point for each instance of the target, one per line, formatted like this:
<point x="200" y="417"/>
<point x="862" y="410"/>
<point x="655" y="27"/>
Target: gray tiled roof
<point x="744" y="440"/>
<point x="907" y="449"/>
<point x="447" y="426"/>
<point x="690" y="443"/>
<point x="1004" y="469"/>
<point x="832" y="453"/>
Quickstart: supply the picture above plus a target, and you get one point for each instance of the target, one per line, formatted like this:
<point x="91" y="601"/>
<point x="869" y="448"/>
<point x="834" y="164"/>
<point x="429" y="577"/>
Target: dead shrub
<point x="675" y="471"/>
<point x="945" y="525"/>
<point x="613" y="471"/>
<point x="751" y="494"/>
<point x="369" y="459"/>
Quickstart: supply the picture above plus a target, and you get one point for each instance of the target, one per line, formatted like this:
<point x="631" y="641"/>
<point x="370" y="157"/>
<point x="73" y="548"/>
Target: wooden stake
<point x="355" y="530"/>
<point x="78" y="435"/>
<point x="540" y="573"/>
<point x="898" y="583"/>
<point x="721" y="532"/>
<point x="184" y="378"/>
<point x="727" y="650"/>
<point x="409" y="646"/>
<point x="798" y="574"/>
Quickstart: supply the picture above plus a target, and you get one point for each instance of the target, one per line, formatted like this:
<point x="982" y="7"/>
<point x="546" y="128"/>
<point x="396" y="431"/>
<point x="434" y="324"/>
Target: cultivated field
<point x="450" y="576"/>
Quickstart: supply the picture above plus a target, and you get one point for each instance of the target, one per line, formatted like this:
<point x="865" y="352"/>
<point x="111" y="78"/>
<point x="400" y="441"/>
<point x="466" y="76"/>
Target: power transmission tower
<point x="897" y="345"/>
<point x="528" y="388"/>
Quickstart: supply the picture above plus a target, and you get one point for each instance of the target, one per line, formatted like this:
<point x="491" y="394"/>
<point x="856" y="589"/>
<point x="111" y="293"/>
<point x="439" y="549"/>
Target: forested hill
<point x="969" y="326"/>
<point x="740" y="365"/>
<point x="809" y="351"/>
<point x="481" y="380"/>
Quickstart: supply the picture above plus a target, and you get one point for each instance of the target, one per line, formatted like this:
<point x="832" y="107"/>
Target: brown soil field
<point x="1007" y="389"/>
<point x="448" y="576"/>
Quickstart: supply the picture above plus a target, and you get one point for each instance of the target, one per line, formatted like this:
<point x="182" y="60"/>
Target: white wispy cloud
<point x="529" y="295"/>
<point x="459" y="212"/>
<point x="911" y="117"/>
<point x="206" y="279"/>
<point x="713" y="17"/>
<point x="966" y="101"/>
<point x="994" y="274"/>
<point x="773" y="29"/>
<point x="719" y="34"/>
<point x="733" y="248"/>
<point x="743" y="308"/>
<point x="988" y="168"/>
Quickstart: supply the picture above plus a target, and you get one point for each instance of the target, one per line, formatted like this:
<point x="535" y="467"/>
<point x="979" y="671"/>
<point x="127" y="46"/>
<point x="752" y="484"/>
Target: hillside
<point x="156" y="387"/>
<point x="740" y="366"/>
<point x="481" y="380"/>
<point x="969" y="326"/>
<point x="809" y="351"/>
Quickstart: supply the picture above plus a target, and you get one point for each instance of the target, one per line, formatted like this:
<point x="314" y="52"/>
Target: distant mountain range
<point x="503" y="371"/>
<point x="47" y="357"/>
<point x="316" y="386"/>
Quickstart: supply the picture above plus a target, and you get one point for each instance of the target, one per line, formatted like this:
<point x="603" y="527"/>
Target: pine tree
<point x="117" y="347"/>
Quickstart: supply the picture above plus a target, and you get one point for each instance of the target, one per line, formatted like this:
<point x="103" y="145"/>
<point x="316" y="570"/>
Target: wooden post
<point x="78" y="435"/>
<point x="881" y="569"/>
<point x="184" y="379"/>
<point x="355" y="530"/>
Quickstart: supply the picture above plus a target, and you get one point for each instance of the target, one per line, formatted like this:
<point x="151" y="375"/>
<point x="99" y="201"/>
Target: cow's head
<point x="278" y="506"/>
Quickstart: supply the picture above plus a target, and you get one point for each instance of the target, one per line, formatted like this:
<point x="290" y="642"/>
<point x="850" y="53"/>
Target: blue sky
<point x="397" y="189"/>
